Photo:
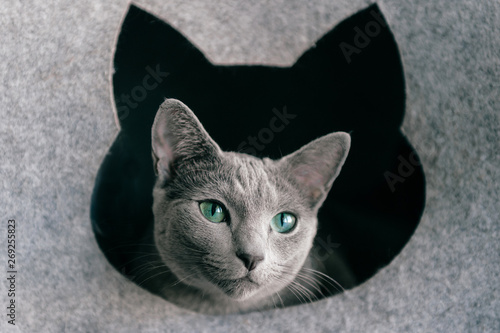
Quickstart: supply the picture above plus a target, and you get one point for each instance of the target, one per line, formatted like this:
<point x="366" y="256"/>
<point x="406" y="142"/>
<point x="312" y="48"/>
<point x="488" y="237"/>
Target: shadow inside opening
<point x="350" y="81"/>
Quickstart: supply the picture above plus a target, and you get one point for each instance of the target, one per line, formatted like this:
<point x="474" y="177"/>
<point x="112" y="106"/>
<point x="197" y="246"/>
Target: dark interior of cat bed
<point x="352" y="80"/>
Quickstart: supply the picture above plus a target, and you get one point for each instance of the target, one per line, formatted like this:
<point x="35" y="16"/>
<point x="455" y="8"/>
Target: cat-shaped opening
<point x="351" y="80"/>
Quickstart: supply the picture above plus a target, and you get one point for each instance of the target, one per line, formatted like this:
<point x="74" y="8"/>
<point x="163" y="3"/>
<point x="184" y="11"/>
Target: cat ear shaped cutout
<point x="315" y="166"/>
<point x="178" y="136"/>
<point x="351" y="80"/>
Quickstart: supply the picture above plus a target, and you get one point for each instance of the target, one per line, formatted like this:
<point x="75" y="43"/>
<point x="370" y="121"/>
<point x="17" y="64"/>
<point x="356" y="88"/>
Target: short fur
<point x="205" y="273"/>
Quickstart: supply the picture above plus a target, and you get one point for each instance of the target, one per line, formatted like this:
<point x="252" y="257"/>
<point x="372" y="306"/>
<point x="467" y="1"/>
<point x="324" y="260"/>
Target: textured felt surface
<point x="58" y="123"/>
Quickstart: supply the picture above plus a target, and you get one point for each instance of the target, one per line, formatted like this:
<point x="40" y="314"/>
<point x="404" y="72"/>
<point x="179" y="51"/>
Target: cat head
<point x="230" y="223"/>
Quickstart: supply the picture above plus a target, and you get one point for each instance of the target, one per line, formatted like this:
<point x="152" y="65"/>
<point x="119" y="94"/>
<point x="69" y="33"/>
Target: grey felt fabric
<point x="57" y="124"/>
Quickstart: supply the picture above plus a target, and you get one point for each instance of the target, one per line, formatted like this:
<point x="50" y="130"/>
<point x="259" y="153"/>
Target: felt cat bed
<point x="352" y="80"/>
<point x="57" y="126"/>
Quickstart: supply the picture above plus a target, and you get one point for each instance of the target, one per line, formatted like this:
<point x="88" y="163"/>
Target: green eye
<point x="213" y="211"/>
<point x="283" y="222"/>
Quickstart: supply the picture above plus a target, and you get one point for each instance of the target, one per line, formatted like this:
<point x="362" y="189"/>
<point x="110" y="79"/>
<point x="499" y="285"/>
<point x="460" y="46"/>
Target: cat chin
<point x="239" y="289"/>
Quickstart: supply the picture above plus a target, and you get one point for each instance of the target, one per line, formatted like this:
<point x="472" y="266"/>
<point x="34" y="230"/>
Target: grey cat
<point x="235" y="231"/>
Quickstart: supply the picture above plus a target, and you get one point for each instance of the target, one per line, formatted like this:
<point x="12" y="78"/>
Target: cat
<point x="233" y="230"/>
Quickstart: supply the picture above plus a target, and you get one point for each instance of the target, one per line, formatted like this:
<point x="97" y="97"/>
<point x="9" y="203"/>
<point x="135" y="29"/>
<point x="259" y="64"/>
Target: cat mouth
<point x="245" y="278"/>
<point x="239" y="289"/>
<point x="224" y="282"/>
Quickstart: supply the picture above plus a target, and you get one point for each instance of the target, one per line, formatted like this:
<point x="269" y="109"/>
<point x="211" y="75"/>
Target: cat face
<point x="232" y="224"/>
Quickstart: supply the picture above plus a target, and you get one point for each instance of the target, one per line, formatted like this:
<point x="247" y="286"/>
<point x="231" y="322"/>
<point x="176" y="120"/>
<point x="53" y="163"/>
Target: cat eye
<point x="283" y="222"/>
<point x="213" y="211"/>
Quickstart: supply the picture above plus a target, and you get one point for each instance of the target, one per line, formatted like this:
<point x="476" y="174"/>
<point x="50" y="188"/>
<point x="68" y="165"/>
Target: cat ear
<point x="177" y="137"/>
<point x="315" y="166"/>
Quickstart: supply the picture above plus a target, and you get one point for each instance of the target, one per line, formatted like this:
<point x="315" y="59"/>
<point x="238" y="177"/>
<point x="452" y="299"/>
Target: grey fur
<point x="200" y="255"/>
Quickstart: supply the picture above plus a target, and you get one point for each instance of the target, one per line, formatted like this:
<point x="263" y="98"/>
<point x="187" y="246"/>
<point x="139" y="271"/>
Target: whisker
<point x="144" y="266"/>
<point x="138" y="258"/>
<point x="155" y="275"/>
<point x="291" y="288"/>
<point x="304" y="291"/>
<point x="184" y="278"/>
<point x="312" y="282"/>
<point x="327" y="278"/>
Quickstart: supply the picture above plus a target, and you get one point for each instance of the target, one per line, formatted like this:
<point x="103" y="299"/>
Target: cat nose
<point x="249" y="260"/>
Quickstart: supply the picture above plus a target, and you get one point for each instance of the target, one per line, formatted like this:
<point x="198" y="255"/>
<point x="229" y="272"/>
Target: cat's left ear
<point x="315" y="166"/>
<point x="178" y="137"/>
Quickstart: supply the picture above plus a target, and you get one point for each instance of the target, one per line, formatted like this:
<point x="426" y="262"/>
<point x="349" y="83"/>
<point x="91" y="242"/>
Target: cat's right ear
<point x="178" y="137"/>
